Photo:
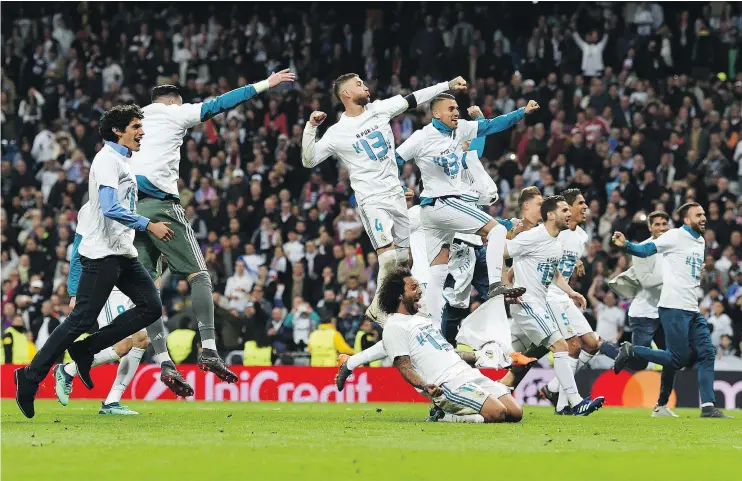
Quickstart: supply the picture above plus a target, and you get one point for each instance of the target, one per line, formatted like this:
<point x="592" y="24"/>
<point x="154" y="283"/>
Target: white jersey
<point x="433" y="358"/>
<point x="439" y="156"/>
<point x="536" y="255"/>
<point x="649" y="273"/>
<point x="573" y="246"/>
<point x="684" y="252"/>
<point x="159" y="156"/>
<point x="365" y="145"/>
<point x="420" y="266"/>
<point x="103" y="236"/>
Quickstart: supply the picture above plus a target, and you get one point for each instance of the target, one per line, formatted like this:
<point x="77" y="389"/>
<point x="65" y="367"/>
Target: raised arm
<point x="313" y="151"/>
<point x="504" y="122"/>
<point x="233" y="98"/>
<point x="404" y="366"/>
<point x="423" y="96"/>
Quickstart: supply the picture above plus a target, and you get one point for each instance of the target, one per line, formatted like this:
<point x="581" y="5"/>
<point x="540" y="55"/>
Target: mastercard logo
<point x="638" y="390"/>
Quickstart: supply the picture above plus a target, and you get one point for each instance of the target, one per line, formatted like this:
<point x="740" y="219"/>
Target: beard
<point x="411" y="305"/>
<point x="362" y="100"/>
<point x="698" y="228"/>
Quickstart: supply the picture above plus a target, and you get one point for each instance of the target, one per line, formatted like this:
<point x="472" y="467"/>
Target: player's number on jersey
<point x="433" y="337"/>
<point x="696" y="266"/>
<point x="547" y="270"/>
<point x="450" y="164"/>
<point x="567" y="265"/>
<point x="374" y="144"/>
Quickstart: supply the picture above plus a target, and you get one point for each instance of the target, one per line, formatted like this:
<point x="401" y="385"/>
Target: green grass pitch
<point x="379" y="442"/>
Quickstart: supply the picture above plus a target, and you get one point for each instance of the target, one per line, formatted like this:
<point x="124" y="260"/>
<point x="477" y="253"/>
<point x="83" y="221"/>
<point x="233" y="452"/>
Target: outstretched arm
<point x="639" y="250"/>
<point x="504" y="122"/>
<point x="404" y="366"/>
<point x="235" y="97"/>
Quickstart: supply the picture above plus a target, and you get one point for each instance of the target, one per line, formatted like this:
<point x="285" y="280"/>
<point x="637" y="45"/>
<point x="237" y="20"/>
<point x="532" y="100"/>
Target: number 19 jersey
<point x="536" y="255"/>
<point x="365" y="145"/>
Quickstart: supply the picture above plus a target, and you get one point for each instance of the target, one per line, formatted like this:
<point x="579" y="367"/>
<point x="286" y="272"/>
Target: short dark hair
<point x="527" y="194"/>
<point x="392" y="289"/>
<point x="571" y="195"/>
<point x="550" y="205"/>
<point x="118" y="118"/>
<point x="166" y="90"/>
<point x="339" y="82"/>
<point x="683" y="209"/>
<point x="439" y="98"/>
<point x="657" y="213"/>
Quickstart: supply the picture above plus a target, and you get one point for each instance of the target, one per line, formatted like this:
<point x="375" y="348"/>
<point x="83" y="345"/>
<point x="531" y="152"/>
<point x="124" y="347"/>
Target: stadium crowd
<point x="641" y="109"/>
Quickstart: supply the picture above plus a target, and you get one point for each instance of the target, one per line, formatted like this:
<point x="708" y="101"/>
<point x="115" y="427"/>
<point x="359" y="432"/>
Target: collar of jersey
<point x="119" y="148"/>
<point x="441" y="127"/>
<point x="692" y="232"/>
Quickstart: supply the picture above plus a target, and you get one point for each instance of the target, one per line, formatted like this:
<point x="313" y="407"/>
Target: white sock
<point x="566" y="377"/>
<point x="127" y="368"/>
<point x="386" y="260"/>
<point x="209" y="344"/>
<point x="434" y="300"/>
<point x="373" y="353"/>
<point x="162" y="357"/>
<point x="463" y="418"/>
<point x="705" y="405"/>
<point x="584" y="360"/>
<point x="553" y="385"/>
<point x="71" y="369"/>
<point x="106" y="356"/>
<point x="495" y="252"/>
<point x="563" y="399"/>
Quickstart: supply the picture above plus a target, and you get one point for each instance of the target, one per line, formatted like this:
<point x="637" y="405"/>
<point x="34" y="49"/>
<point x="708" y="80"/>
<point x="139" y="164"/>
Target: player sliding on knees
<point x="431" y="365"/>
<point x="363" y="141"/>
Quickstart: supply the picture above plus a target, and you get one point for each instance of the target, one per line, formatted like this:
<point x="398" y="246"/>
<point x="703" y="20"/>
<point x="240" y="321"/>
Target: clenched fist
<point x="532" y="107"/>
<point x="458" y="84"/>
<point x="474" y="112"/>
<point x="317" y="118"/>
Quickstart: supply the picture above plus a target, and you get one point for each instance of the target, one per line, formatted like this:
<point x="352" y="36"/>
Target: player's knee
<point x="514" y="413"/>
<point x="140" y="340"/>
<point x="123" y="347"/>
<point x="494" y="414"/>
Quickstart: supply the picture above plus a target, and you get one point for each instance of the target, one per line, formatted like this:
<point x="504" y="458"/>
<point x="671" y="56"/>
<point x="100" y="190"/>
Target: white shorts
<point x="117" y="303"/>
<point x="449" y="216"/>
<point x="571" y="321"/>
<point x="386" y="221"/>
<point x="536" y="322"/>
<point x="461" y="264"/>
<point x="467" y="393"/>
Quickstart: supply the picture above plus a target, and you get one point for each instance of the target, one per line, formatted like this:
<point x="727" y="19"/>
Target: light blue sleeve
<point x="506" y="222"/>
<point x="641" y="250"/>
<point x="73" y="278"/>
<point x="400" y="163"/>
<point x="498" y="124"/>
<point x="478" y="145"/>
<point x="108" y="198"/>
<point x="227" y="101"/>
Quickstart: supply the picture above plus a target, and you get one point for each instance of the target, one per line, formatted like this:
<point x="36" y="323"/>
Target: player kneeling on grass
<point x="425" y="359"/>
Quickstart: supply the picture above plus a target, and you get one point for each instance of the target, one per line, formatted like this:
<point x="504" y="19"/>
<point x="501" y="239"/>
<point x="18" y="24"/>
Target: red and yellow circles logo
<point x="638" y="390"/>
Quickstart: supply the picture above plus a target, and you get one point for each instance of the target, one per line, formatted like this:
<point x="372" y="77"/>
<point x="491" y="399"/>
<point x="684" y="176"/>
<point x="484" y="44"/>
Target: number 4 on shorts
<point x="379" y="227"/>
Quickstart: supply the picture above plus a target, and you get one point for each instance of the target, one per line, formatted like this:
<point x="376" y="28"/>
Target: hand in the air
<point x="474" y="112"/>
<point x="458" y="84"/>
<point x="532" y="107"/>
<point x="619" y="239"/>
<point x="283" y="76"/>
<point x="317" y="118"/>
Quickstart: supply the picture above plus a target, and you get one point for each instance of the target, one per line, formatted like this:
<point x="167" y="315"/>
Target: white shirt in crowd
<point x="610" y="320"/>
<point x="294" y="251"/>
<point x="432" y="357"/>
<point x="101" y="236"/>
<point x="238" y="289"/>
<point x="722" y="325"/>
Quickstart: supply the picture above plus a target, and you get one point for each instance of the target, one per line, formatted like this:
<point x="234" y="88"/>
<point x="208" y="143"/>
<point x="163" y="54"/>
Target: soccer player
<point x="128" y="352"/>
<point x="583" y="342"/>
<point x="156" y="167"/>
<point x="438" y="151"/>
<point x="643" y="312"/>
<point x="536" y="254"/>
<point x="687" y="334"/>
<point x="108" y="259"/>
<point x="363" y="141"/>
<point x="431" y="365"/>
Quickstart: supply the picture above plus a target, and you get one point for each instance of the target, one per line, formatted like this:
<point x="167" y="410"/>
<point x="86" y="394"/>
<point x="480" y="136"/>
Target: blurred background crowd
<point x="640" y="108"/>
